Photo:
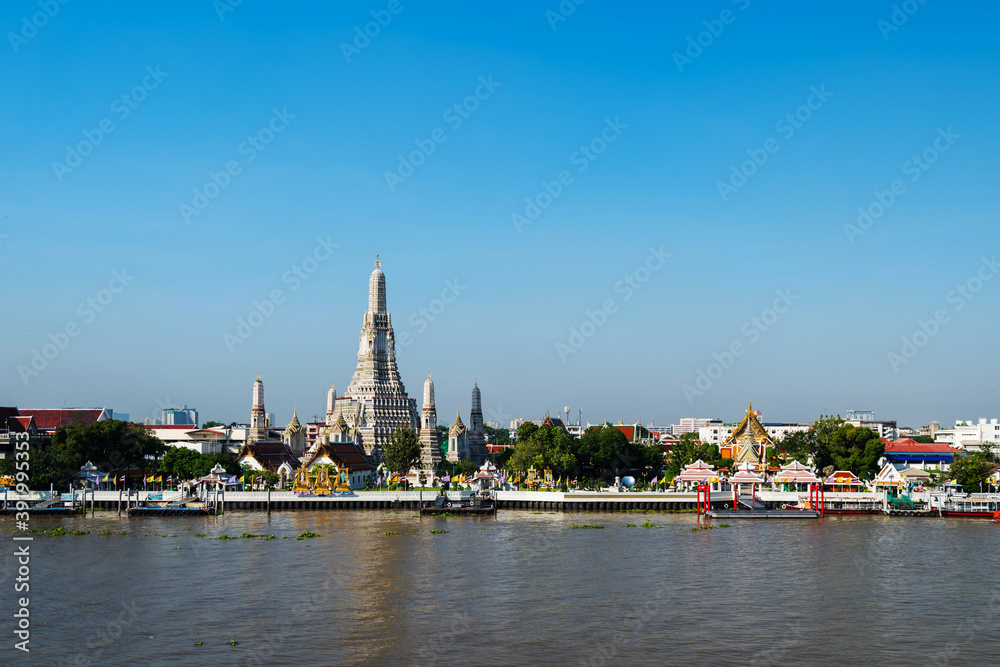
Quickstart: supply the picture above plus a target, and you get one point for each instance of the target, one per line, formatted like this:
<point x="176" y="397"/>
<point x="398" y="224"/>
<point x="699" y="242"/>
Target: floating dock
<point x="763" y="514"/>
<point x="168" y="511"/>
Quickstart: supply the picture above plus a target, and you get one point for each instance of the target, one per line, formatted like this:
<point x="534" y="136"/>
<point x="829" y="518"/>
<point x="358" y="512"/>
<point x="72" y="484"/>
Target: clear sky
<point x="714" y="153"/>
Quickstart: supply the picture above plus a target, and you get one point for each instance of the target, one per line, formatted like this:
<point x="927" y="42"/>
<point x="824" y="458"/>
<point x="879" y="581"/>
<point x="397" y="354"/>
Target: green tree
<point x="796" y="446"/>
<point x="543" y="448"/>
<point x="402" y="451"/>
<point x="112" y="446"/>
<point x="501" y="457"/>
<point x="182" y="463"/>
<point x="972" y="470"/>
<point x="688" y="450"/>
<point x="497" y="436"/>
<point x="211" y="424"/>
<point x="857" y="449"/>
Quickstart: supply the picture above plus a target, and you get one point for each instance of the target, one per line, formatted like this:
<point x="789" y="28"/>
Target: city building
<point x="930" y="430"/>
<point x="885" y="429"/>
<point x="973" y="436"/>
<point x="182" y="415"/>
<point x="216" y="440"/>
<point x="692" y="425"/>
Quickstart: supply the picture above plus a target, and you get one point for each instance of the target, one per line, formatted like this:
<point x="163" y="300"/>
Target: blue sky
<point x="329" y="126"/>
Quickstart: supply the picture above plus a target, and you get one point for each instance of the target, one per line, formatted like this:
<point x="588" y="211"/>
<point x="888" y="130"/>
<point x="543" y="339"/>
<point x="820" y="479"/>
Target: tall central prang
<point x="375" y="403"/>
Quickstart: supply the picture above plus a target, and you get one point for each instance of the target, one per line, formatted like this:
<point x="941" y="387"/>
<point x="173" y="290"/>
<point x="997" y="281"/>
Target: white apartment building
<point x="981" y="435"/>
<point x="691" y="424"/>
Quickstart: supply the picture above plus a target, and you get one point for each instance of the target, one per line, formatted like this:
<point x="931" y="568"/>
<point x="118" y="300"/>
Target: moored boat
<point x="977" y="506"/>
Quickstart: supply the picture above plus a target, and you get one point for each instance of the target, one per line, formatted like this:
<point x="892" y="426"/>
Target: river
<point x="379" y="587"/>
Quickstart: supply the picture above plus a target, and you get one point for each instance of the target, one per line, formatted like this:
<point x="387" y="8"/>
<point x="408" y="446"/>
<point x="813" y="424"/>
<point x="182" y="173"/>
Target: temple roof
<point x="343" y="454"/>
<point x="340" y="426"/>
<point x="294" y="426"/>
<point x="270" y="454"/>
<point x="749" y="426"/>
<point x="457" y="428"/>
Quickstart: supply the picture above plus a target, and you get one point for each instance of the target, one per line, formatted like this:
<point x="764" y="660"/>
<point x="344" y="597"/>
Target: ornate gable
<point x="749" y="440"/>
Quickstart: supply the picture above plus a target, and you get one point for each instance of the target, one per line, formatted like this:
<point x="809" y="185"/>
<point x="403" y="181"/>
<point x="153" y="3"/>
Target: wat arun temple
<point x="376" y="403"/>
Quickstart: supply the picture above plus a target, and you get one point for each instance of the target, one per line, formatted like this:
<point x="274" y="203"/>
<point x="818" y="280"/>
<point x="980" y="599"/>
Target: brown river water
<point x="524" y="588"/>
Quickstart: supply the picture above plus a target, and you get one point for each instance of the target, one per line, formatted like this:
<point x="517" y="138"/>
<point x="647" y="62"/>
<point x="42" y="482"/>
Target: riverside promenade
<point x="506" y="500"/>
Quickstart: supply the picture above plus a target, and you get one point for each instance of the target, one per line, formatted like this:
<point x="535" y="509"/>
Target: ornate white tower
<point x="375" y="403"/>
<point x="458" y="440"/>
<point x="295" y="434"/>
<point x="430" y="444"/>
<point x="258" y="422"/>
<point x="331" y="401"/>
<point x="477" y="439"/>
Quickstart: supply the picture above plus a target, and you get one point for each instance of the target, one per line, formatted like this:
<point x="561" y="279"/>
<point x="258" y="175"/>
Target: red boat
<point x="977" y="508"/>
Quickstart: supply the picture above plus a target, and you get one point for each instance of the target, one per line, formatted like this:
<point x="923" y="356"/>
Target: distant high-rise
<point x="180" y="416"/>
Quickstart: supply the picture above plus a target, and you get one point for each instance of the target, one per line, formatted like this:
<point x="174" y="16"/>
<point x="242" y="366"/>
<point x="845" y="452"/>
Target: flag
<point x="170" y="479"/>
<point x="160" y="479"/>
<point x="149" y="479"/>
<point x="105" y="479"/>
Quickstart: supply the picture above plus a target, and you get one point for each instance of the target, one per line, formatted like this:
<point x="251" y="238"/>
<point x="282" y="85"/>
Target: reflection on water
<point x="522" y="588"/>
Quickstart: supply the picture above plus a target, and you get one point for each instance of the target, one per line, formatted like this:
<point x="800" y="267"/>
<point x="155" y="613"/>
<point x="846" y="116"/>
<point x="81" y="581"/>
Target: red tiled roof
<point x="25" y="423"/>
<point x="52" y="419"/>
<point x="629" y="431"/>
<point x="908" y="446"/>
